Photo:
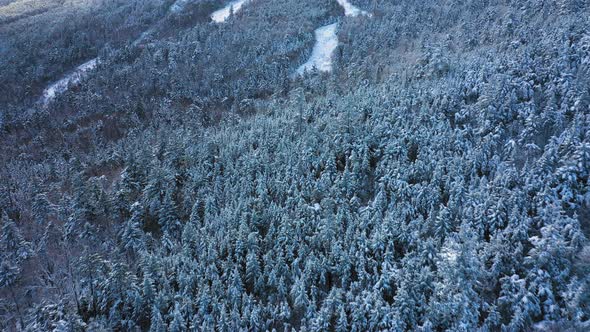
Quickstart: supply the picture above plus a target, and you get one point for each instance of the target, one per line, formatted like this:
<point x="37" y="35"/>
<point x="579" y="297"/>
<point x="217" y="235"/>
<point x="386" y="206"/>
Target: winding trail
<point x="63" y="84"/>
<point x="79" y="72"/>
<point x="327" y="42"/>
<point x="221" y="15"/>
<point x="321" y="56"/>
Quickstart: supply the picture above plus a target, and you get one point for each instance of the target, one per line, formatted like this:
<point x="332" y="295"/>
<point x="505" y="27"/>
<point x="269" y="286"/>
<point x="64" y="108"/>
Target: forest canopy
<point x="436" y="179"/>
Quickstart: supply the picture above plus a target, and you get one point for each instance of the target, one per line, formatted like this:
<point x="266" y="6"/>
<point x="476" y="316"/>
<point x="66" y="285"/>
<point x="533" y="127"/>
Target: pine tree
<point x="342" y="323"/>
<point x="167" y="216"/>
<point x="178" y="323"/>
<point x="14" y="246"/>
<point x="443" y="224"/>
<point x="157" y="323"/>
<point x="131" y="233"/>
<point x="299" y="293"/>
<point x="42" y="208"/>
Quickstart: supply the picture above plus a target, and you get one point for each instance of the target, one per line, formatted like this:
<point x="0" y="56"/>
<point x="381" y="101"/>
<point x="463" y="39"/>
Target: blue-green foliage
<point x="437" y="179"/>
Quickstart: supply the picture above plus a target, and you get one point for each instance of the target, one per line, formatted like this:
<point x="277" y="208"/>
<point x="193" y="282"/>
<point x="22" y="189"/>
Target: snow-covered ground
<point x="321" y="56"/>
<point x="69" y="80"/>
<point x="327" y="41"/>
<point x="350" y="9"/>
<point x="221" y="15"/>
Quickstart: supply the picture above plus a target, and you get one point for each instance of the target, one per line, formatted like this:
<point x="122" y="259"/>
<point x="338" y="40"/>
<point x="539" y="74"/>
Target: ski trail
<point x="71" y="79"/>
<point x="76" y="76"/>
<point x="321" y="55"/>
<point x="327" y="41"/>
<point x="221" y="15"/>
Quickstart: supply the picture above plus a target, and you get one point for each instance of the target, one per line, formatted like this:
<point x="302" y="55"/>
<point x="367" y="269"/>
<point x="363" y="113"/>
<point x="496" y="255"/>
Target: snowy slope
<point x="321" y="56"/>
<point x="221" y="15"/>
<point x="71" y="79"/>
<point x="76" y="76"/>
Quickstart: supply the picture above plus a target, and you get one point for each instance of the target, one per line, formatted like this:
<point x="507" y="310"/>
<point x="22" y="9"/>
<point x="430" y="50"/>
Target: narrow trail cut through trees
<point x="327" y="42"/>
<point x="321" y="56"/>
<point x="70" y="79"/>
<point x="221" y="15"/>
<point x="73" y="78"/>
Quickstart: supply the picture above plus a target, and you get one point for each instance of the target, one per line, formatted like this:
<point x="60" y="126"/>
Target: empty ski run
<point x="71" y="79"/>
<point x="221" y="15"/>
<point x="350" y="9"/>
<point x="321" y="55"/>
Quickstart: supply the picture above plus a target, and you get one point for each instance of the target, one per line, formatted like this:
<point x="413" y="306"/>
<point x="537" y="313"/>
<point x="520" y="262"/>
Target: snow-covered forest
<point x="435" y="178"/>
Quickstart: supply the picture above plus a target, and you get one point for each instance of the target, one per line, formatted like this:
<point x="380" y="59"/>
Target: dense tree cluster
<point x="438" y="179"/>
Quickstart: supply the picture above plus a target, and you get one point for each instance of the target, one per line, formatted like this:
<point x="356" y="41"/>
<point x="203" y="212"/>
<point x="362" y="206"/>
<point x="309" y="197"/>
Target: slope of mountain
<point x="323" y="50"/>
<point x="436" y="179"/>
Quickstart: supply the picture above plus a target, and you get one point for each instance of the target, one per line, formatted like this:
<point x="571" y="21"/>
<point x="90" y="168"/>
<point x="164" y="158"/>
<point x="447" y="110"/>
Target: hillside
<point x="302" y="165"/>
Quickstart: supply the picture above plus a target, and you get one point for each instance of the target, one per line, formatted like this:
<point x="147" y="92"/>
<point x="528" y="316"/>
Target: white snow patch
<point x="221" y="15"/>
<point x="350" y="9"/>
<point x="321" y="56"/>
<point x="71" y="79"/>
